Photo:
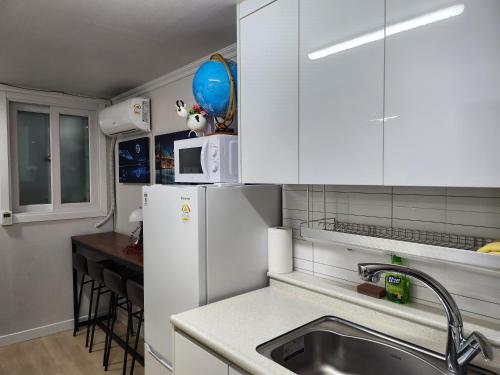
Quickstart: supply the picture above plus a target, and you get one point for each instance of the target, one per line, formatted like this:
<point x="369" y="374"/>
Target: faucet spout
<point x="372" y="271"/>
<point x="459" y="351"/>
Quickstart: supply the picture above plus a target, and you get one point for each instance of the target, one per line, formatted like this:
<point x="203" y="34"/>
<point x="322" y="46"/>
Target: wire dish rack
<point x="455" y="241"/>
<point x="328" y="225"/>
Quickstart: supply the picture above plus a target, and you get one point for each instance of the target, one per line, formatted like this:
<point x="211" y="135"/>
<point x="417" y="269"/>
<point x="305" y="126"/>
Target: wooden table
<point x="101" y="246"/>
<point x="111" y="245"/>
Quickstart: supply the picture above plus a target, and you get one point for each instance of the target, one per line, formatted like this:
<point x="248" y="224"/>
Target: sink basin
<point x="333" y="346"/>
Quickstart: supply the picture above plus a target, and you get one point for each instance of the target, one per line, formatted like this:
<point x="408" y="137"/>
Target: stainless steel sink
<point x="334" y="346"/>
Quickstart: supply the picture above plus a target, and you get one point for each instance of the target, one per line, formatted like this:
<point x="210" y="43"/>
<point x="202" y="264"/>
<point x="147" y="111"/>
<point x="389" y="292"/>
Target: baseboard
<point x="50" y="329"/>
<point x="37" y="332"/>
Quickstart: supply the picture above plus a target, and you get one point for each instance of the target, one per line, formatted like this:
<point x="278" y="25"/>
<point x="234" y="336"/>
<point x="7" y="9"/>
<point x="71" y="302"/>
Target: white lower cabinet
<point x="191" y="359"/>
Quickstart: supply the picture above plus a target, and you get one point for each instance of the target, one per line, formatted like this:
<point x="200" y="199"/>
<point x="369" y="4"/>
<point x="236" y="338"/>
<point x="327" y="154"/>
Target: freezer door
<point x="237" y="221"/>
<point x="174" y="259"/>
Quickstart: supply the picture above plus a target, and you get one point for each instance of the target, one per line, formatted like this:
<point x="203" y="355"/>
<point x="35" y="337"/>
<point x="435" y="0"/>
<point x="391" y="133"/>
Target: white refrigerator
<point x="202" y="243"/>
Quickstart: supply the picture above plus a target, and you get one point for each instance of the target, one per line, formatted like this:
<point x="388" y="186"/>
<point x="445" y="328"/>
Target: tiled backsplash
<point x="454" y="210"/>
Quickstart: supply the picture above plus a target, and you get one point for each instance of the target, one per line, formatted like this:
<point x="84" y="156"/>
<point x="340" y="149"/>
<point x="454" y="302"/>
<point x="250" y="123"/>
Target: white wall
<point x="36" y="273"/>
<point x="474" y="212"/>
<point x="164" y="120"/>
<point x="35" y="258"/>
<point x="177" y="85"/>
<point x="36" y="294"/>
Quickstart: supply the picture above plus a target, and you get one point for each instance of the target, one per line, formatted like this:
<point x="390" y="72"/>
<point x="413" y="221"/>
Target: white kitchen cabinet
<point x="191" y="359"/>
<point x="442" y="90"/>
<point x="268" y="96"/>
<point x="342" y="93"/>
<point x="420" y="107"/>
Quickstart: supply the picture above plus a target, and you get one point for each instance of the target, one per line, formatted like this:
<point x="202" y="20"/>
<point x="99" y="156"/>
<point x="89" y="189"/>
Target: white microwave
<point x="211" y="159"/>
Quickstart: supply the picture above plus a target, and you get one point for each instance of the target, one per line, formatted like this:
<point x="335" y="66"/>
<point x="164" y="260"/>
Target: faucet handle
<point x="474" y="344"/>
<point x="484" y="344"/>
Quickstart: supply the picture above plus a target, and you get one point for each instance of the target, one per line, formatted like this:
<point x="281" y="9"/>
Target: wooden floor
<point x="62" y="354"/>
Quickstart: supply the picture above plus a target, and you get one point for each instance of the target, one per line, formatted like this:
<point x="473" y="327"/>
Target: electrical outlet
<point x="5" y="217"/>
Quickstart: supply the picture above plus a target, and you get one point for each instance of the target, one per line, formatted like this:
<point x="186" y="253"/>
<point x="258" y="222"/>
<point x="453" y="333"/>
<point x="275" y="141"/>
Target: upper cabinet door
<point x="442" y="87"/>
<point x="268" y="63"/>
<point x="341" y="91"/>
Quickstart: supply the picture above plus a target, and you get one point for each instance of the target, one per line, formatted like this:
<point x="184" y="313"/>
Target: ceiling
<point x="101" y="48"/>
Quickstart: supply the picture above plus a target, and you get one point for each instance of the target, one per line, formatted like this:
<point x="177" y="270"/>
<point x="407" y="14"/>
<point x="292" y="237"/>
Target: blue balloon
<point x="212" y="87"/>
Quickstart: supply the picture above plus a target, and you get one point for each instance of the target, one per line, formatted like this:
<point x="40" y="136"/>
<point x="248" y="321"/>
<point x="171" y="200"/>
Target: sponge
<point x="491" y="248"/>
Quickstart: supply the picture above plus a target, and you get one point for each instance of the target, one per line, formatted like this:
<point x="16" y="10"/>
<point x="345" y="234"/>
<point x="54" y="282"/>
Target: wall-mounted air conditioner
<point x="129" y="116"/>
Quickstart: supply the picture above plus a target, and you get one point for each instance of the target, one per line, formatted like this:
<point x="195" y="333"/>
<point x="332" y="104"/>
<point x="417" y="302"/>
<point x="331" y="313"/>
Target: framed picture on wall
<point x="164" y="156"/>
<point x="134" y="161"/>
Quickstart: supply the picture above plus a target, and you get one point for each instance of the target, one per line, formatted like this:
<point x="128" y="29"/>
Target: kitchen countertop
<point x="234" y="327"/>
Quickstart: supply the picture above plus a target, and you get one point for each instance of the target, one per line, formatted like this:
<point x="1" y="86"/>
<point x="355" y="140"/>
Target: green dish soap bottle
<point x="397" y="287"/>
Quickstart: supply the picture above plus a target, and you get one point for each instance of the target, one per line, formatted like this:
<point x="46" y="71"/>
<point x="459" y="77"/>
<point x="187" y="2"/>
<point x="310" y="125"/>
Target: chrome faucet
<point x="459" y="350"/>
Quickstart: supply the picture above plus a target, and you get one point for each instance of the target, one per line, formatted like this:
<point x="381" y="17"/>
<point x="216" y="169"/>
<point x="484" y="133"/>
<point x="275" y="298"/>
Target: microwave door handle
<point x="203" y="158"/>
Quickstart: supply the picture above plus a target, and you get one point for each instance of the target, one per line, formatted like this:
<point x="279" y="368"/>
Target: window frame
<point x="93" y="160"/>
<point x="16" y="207"/>
<point x="56" y="104"/>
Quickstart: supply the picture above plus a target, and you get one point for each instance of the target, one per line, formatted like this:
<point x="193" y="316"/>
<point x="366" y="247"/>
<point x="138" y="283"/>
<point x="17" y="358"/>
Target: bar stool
<point x="116" y="283"/>
<point x="135" y="293"/>
<point x="89" y="269"/>
<point x="96" y="273"/>
<point x="80" y="265"/>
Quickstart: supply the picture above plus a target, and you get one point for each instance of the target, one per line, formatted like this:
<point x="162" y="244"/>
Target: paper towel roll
<point x="279" y="249"/>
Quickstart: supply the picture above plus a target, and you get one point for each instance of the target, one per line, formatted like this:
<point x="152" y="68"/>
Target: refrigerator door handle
<point x="162" y="361"/>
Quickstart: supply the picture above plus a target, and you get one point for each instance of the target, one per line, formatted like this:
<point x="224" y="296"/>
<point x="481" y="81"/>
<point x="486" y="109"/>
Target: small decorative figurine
<point x="181" y="109"/>
<point x="196" y="117"/>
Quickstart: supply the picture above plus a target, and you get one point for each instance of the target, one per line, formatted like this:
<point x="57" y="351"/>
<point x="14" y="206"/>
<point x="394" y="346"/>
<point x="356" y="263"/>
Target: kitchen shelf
<point x="484" y="263"/>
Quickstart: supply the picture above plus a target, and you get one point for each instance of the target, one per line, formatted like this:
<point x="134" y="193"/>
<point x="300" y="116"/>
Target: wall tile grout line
<point x="396" y="218"/>
<point x="466" y="211"/>
<point x="448" y="194"/>
<point x="427" y="301"/>
<point x="423" y="287"/>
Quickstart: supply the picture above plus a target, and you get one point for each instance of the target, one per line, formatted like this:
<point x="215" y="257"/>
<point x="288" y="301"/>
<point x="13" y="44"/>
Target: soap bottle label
<point x="394" y="280"/>
<point x="397" y="288"/>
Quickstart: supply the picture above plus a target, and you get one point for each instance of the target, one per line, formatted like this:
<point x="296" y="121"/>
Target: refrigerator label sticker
<point x="185" y="213"/>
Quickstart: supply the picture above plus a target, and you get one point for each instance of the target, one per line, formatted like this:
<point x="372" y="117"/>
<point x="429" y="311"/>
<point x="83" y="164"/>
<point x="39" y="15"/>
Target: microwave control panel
<point x="214" y="157"/>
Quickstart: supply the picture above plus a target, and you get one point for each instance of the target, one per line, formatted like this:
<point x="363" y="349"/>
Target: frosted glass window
<point x="34" y="160"/>
<point x="74" y="148"/>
